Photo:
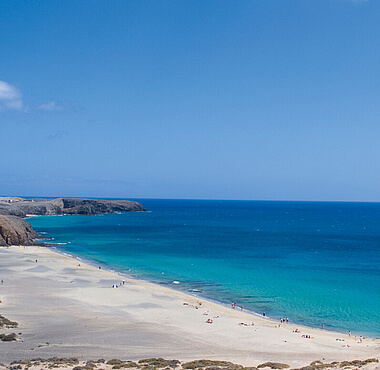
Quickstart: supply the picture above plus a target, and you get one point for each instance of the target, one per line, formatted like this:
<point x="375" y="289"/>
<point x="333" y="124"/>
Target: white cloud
<point x="10" y="97"/>
<point x="50" y="107"/>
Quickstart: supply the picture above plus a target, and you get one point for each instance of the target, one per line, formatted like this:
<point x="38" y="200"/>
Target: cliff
<point x="72" y="206"/>
<point x="14" y="230"/>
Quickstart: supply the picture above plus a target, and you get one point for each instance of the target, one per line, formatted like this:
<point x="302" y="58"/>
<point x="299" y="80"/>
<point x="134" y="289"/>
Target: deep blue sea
<point x="314" y="262"/>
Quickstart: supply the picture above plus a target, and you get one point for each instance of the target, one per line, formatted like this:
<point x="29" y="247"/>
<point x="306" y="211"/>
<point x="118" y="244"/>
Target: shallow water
<point x="314" y="262"/>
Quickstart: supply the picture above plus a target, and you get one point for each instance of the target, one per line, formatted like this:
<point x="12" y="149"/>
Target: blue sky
<point x="254" y="99"/>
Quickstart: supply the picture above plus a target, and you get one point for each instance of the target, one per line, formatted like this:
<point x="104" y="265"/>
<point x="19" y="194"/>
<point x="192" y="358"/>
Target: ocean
<point x="313" y="262"/>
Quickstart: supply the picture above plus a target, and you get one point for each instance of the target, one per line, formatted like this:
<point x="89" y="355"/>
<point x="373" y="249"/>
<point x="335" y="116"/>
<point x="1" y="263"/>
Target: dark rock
<point x="38" y="207"/>
<point x="15" y="231"/>
<point x="98" y="206"/>
<point x="73" y="206"/>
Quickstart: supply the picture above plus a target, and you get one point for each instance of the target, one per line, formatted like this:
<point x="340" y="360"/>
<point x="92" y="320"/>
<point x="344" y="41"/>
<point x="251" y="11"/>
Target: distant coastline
<point x="14" y="230"/>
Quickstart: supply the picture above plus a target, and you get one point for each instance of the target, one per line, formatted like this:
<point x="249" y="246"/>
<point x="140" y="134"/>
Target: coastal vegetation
<point x="160" y="363"/>
<point x="8" y="337"/>
<point x="6" y="323"/>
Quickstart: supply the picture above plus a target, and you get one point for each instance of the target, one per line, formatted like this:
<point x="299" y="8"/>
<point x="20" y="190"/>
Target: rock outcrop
<point x="14" y="230"/>
<point x="98" y="206"/>
<point x="72" y="206"/>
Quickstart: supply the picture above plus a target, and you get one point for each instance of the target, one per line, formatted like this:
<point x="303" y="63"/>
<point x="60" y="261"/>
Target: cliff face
<point x="98" y="206"/>
<point x="14" y="230"/>
<point x="38" y="207"/>
<point x="70" y="206"/>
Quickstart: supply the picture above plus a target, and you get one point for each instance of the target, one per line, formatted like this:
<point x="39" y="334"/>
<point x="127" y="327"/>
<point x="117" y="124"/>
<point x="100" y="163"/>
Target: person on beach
<point x="349" y="333"/>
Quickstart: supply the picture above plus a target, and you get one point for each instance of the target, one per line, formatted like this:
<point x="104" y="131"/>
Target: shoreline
<point x="77" y="312"/>
<point x="173" y="287"/>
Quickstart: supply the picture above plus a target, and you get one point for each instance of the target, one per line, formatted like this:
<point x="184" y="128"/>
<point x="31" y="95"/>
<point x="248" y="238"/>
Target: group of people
<point x="234" y="306"/>
<point x="307" y="336"/>
<point x="245" y="324"/>
<point x="116" y="285"/>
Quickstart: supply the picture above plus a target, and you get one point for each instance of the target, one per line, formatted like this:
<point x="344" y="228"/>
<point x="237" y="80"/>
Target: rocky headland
<point x="15" y="230"/>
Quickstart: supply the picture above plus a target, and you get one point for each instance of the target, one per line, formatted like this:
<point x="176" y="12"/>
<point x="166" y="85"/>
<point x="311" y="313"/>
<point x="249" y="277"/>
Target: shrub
<point x="159" y="363"/>
<point x="211" y="364"/>
<point x="274" y="365"/>
<point x="4" y="322"/>
<point x="115" y="361"/>
<point x="8" y="337"/>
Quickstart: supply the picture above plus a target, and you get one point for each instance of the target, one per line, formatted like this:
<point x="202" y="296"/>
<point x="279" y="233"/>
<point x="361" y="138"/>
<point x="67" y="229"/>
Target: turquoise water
<point x="312" y="262"/>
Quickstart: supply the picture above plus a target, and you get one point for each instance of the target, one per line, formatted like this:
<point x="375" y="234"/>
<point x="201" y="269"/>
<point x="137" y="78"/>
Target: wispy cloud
<point x="10" y="97"/>
<point x="51" y="106"/>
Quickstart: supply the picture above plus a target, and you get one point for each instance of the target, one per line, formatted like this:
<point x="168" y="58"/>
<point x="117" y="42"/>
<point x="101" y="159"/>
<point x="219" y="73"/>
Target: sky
<point x="200" y="99"/>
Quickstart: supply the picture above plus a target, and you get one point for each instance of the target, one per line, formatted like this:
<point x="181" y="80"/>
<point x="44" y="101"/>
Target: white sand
<point x="66" y="310"/>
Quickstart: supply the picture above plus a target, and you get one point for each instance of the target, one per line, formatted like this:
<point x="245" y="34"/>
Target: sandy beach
<point x="65" y="308"/>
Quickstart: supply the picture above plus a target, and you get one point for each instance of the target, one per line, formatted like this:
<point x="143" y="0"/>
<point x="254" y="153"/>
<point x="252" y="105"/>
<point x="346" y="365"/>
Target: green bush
<point x="209" y="364"/>
<point x="115" y="361"/>
<point x="274" y="365"/>
<point x="158" y="363"/>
